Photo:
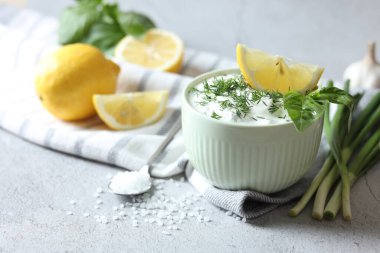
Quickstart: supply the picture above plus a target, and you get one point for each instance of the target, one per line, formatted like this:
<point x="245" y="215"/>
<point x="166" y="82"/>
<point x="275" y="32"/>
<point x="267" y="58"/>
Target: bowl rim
<point x="210" y="74"/>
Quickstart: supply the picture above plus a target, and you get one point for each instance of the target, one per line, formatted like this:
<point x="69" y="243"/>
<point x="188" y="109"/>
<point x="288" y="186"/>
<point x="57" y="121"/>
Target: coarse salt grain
<point x="166" y="232"/>
<point x="207" y="219"/>
<point x="86" y="215"/>
<point x="99" y="201"/>
<point x="69" y="213"/>
<point x="73" y="202"/>
<point x="99" y="190"/>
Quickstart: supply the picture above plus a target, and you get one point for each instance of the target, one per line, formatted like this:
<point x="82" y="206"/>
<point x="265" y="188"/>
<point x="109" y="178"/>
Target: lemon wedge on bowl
<point x="276" y="73"/>
<point x="131" y="110"/>
<point x="157" y="49"/>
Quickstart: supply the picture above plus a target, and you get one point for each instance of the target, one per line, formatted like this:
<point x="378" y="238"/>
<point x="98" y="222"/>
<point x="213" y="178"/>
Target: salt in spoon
<point x="140" y="181"/>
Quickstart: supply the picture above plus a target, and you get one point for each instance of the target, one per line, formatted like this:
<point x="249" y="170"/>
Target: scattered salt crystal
<point x="229" y="213"/>
<point x="115" y="208"/>
<point x="165" y="232"/>
<point x="238" y="218"/>
<point x="122" y="213"/>
<point x="115" y="217"/>
<point x="86" y="214"/>
<point x="99" y="201"/>
<point x="175" y="228"/>
<point x="69" y="213"/>
<point x="96" y="207"/>
<point x="244" y="220"/>
<point x="122" y="206"/>
<point x="99" y="190"/>
<point x="73" y="202"/>
<point x="96" y="195"/>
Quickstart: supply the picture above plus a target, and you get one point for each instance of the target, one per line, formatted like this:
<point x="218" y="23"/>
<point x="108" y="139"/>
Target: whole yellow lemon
<point x="67" y="79"/>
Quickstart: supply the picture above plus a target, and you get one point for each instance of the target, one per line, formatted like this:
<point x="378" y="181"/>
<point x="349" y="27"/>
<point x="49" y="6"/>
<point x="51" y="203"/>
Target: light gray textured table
<point x="37" y="184"/>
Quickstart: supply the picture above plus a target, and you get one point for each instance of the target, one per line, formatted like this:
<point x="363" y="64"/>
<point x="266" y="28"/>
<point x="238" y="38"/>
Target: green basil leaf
<point x="106" y="32"/>
<point x="104" y="36"/>
<point x="76" y="21"/>
<point x="303" y="110"/>
<point x="333" y="95"/>
<point x="134" y="23"/>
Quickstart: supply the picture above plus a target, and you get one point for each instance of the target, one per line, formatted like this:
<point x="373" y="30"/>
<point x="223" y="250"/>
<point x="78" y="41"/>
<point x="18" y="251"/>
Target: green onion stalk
<point x="343" y="144"/>
<point x="371" y="154"/>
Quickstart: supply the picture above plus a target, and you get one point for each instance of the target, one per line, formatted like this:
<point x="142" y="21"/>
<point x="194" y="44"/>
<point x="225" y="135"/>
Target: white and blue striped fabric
<point x="25" y="37"/>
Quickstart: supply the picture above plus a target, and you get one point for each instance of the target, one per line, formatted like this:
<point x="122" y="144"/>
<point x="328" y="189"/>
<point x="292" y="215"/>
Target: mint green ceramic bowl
<point x="239" y="156"/>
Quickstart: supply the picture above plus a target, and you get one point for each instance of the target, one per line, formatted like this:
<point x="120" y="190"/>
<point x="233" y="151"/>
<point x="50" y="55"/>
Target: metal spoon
<point x="147" y="168"/>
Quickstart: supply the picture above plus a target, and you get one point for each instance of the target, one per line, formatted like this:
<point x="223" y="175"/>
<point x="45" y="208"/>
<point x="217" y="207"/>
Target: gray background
<point x="329" y="33"/>
<point x="37" y="184"/>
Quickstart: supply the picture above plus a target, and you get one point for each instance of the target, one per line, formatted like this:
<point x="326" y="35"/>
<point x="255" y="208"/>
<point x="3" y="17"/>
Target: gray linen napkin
<point x="248" y="203"/>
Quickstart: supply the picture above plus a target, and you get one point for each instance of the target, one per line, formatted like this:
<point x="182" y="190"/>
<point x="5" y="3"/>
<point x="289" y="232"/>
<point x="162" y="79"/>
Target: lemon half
<point x="157" y="49"/>
<point x="276" y="73"/>
<point x="131" y="110"/>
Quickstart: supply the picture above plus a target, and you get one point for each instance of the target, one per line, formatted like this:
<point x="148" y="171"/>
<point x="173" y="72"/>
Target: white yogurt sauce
<point x="258" y="113"/>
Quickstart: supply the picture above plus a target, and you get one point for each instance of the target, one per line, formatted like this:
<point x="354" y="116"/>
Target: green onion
<point x="343" y="159"/>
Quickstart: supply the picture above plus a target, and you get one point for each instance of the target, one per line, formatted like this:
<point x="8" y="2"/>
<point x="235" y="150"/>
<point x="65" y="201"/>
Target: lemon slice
<point x="276" y="73"/>
<point x="131" y="110"/>
<point x="157" y="49"/>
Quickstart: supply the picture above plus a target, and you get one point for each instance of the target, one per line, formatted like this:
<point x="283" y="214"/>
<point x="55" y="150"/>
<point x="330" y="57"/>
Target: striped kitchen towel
<point x="25" y="37"/>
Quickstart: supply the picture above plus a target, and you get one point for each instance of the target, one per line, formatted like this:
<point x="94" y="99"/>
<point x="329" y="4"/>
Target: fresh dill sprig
<point x="240" y="96"/>
<point x="194" y="90"/>
<point x="214" y="115"/>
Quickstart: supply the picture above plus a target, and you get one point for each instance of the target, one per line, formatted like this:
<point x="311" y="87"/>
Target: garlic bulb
<point x="364" y="73"/>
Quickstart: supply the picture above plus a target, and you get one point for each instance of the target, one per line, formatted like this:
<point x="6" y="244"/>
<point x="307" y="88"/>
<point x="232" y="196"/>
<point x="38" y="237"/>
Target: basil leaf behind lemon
<point x="134" y="23"/>
<point x="76" y="21"/>
<point x="100" y="24"/>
